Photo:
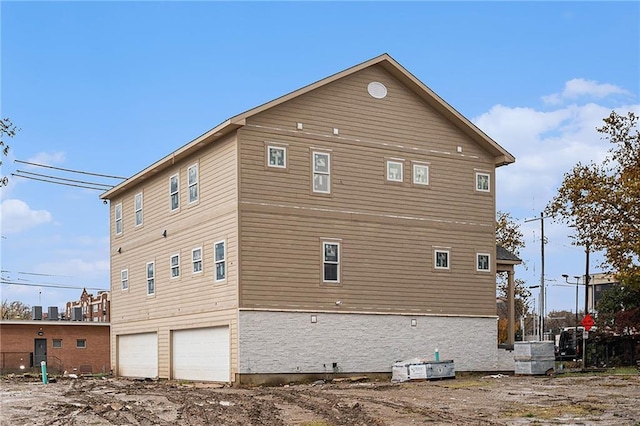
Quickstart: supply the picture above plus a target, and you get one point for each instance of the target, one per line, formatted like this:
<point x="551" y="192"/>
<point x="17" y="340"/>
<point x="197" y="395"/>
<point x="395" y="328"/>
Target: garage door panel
<point x="201" y="354"/>
<point x="138" y="355"/>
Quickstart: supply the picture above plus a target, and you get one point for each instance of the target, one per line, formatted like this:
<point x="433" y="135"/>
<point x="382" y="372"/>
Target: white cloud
<point x="16" y="216"/>
<point x="579" y="87"/>
<point x="47" y="158"/>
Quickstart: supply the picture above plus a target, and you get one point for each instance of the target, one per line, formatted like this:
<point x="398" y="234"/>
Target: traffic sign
<point x="588" y="322"/>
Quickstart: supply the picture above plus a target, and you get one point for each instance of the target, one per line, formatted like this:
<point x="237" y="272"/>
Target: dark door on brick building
<point x="40" y="352"/>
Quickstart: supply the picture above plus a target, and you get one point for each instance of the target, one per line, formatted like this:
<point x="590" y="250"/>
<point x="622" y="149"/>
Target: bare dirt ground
<point x="605" y="399"/>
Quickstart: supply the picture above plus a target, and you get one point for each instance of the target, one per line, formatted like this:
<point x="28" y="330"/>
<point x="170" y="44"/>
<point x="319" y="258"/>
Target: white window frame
<point x="388" y="168"/>
<point x="488" y="268"/>
<point x="415" y="174"/>
<point x="95" y="307"/>
<point x="319" y="173"/>
<point x="326" y="262"/>
<point x="118" y="218"/>
<point x="124" y="279"/>
<point x="175" y="193"/>
<point x="195" y="261"/>
<point x="488" y="176"/>
<point x="137" y="207"/>
<point x="151" y="278"/>
<point x="435" y="259"/>
<point x="220" y="261"/>
<point x="174" y="266"/>
<point x="284" y="156"/>
<point x="193" y="184"/>
<point x="81" y="343"/>
<point x="56" y="344"/>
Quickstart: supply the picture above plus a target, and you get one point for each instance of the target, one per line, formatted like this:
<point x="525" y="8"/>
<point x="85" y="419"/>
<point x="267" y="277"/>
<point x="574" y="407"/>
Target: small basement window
<point x="57" y="343"/>
<point x="81" y="343"/>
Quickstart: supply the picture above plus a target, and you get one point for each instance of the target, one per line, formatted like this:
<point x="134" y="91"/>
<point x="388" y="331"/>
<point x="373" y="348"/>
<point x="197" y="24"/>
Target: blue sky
<point x="110" y="87"/>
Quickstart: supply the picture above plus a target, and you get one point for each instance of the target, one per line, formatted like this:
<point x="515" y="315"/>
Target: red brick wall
<point x="20" y="337"/>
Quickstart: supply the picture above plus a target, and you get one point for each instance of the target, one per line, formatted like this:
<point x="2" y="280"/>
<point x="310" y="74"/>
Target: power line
<point x="59" y="183"/>
<point x="69" y="170"/>
<point x="64" y="179"/>
<point x="51" y="285"/>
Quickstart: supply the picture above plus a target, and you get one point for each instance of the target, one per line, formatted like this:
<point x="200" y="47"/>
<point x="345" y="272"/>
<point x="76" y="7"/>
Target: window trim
<point x="176" y="266"/>
<point x="398" y="162"/>
<point x="338" y="262"/>
<point x="488" y="175"/>
<point x="269" y="146"/>
<point x="118" y="218"/>
<point x="478" y="262"/>
<point x="151" y="280"/>
<point x="435" y="259"/>
<point x="193" y="262"/>
<point x="414" y="166"/>
<point x="124" y="281"/>
<point x="193" y="184"/>
<point x="137" y="209"/>
<point x="315" y="172"/>
<point x="53" y="343"/>
<point x="177" y="192"/>
<point x="81" y="346"/>
<point x="217" y="261"/>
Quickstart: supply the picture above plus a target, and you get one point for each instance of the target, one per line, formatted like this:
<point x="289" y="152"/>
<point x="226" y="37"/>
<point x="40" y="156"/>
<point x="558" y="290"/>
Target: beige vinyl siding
<point x="179" y="302"/>
<point x="385" y="267"/>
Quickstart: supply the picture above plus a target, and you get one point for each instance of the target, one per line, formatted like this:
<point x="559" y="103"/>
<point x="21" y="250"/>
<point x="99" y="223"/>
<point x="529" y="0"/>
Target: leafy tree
<point x="601" y="200"/>
<point x="8" y="129"/>
<point x="509" y="236"/>
<point x="14" y="310"/>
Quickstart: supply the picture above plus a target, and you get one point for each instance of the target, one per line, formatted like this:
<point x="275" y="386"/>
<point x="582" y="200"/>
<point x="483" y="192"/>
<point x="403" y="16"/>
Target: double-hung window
<point x="220" y="260"/>
<point x="482" y="262"/>
<point x="151" y="278"/>
<point x="138" y="208"/>
<point x="394" y="170"/>
<point x="331" y="262"/>
<point x="124" y="279"/>
<point x="175" y="266"/>
<point x="196" y="260"/>
<point x="118" y="218"/>
<point x="321" y="172"/>
<point x="483" y="182"/>
<point x="174" y="187"/>
<point x="193" y="183"/>
<point x="441" y="259"/>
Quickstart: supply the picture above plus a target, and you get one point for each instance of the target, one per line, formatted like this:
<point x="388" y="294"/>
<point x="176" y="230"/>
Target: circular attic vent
<point x="377" y="90"/>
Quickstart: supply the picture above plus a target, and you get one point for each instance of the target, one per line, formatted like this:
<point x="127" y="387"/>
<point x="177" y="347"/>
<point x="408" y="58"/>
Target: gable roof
<point x="501" y="156"/>
<point x="505" y="256"/>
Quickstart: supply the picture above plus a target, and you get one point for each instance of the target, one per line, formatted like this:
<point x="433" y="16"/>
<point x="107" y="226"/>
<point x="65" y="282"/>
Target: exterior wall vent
<point x="377" y="90"/>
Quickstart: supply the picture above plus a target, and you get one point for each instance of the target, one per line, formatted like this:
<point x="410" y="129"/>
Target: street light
<point x="575" y="335"/>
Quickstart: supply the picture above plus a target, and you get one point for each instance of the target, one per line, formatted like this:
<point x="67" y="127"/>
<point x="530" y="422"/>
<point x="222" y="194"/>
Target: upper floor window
<point x="322" y="172"/>
<point x="220" y="260"/>
<point x="483" y="182"/>
<point x="118" y="218"/>
<point x="482" y="262"/>
<point x="441" y="259"/>
<point x="124" y="279"/>
<point x="196" y="260"/>
<point x="151" y="278"/>
<point x="138" y="208"/>
<point x="420" y="174"/>
<point x="175" y="266"/>
<point x="174" y="186"/>
<point x="331" y="262"/>
<point x="193" y="183"/>
<point x="277" y="156"/>
<point x="394" y="170"/>
<point x="95" y="308"/>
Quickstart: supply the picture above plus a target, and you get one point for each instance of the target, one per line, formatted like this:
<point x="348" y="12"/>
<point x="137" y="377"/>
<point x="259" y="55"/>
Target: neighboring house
<point x="75" y="347"/>
<point x="598" y="284"/>
<point x="336" y="229"/>
<point x="90" y="308"/>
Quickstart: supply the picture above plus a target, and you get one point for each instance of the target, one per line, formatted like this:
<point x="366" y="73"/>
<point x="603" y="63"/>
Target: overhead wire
<point x="64" y="179"/>
<point x="69" y="170"/>
<point x="59" y="183"/>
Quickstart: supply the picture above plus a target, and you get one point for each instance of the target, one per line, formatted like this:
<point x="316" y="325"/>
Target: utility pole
<point x="542" y="291"/>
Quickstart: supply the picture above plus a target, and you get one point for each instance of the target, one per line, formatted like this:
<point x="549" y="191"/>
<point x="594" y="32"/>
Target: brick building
<point x="73" y="346"/>
<point x="90" y="308"/>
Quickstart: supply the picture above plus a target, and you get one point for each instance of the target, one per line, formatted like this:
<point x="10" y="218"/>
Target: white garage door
<point x="201" y="354"/>
<point x="138" y="355"/>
